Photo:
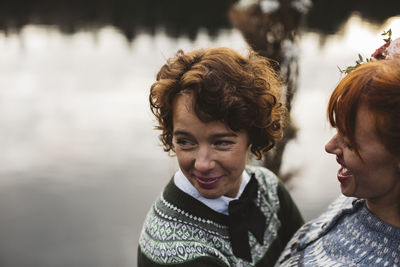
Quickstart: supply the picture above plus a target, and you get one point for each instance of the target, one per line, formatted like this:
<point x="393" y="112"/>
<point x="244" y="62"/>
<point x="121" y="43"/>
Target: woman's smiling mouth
<point x="207" y="182"/>
<point x="344" y="174"/>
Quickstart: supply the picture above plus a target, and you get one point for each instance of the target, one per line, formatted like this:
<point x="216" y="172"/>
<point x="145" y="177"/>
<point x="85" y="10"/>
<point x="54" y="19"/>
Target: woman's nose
<point x="332" y="146"/>
<point x="204" y="160"/>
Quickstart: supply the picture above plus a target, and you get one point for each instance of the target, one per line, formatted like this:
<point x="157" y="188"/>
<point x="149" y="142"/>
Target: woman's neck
<point x="387" y="211"/>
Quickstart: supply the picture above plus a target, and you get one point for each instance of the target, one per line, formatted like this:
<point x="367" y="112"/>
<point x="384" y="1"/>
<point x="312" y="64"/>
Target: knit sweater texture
<point x="181" y="231"/>
<point x="347" y="234"/>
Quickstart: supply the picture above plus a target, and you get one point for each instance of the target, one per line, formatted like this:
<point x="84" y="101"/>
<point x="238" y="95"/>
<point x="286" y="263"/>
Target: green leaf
<point x="389" y="35"/>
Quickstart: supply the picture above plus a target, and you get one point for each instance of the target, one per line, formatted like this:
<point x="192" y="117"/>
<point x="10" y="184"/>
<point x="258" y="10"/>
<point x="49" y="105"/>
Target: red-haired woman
<point x="362" y="227"/>
<point x="214" y="106"/>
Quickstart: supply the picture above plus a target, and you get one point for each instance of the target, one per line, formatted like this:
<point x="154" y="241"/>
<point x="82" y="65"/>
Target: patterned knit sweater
<point x="181" y="231"/>
<point x="348" y="234"/>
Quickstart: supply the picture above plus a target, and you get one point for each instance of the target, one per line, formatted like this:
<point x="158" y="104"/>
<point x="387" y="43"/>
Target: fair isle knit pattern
<point x="172" y="235"/>
<point x="348" y="234"/>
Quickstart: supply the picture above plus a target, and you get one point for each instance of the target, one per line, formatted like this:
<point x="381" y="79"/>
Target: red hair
<point x="376" y="84"/>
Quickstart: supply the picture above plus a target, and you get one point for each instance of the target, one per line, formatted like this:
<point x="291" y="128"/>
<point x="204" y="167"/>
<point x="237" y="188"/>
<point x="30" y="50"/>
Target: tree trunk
<point x="271" y="28"/>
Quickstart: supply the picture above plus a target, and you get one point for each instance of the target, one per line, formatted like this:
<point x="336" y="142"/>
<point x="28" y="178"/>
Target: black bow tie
<point x="245" y="216"/>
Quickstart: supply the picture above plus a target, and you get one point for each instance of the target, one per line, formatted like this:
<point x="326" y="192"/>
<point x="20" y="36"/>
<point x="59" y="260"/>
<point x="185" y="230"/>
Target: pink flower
<point x="380" y="53"/>
<point x="393" y="51"/>
<point x="389" y="50"/>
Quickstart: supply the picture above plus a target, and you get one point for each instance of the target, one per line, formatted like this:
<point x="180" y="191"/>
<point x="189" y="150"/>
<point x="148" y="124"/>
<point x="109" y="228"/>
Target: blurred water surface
<point x="81" y="164"/>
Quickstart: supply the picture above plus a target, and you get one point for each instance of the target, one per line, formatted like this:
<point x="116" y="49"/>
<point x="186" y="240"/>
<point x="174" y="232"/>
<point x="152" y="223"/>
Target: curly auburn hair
<point x="376" y="84"/>
<point x="242" y="92"/>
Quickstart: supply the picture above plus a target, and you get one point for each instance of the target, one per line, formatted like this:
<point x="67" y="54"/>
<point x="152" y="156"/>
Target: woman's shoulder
<point x="314" y="229"/>
<point x="339" y="206"/>
<point x="268" y="182"/>
<point x="259" y="170"/>
<point x="262" y="174"/>
<point x="323" y="223"/>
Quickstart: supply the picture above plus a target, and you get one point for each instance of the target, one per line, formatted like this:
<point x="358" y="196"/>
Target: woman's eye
<point x="346" y="144"/>
<point x="349" y="146"/>
<point x="185" y="144"/>
<point x="223" y="144"/>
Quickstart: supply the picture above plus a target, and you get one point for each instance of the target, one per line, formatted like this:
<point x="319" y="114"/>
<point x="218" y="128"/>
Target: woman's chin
<point x="209" y="193"/>
<point x="347" y="191"/>
<point x="210" y="196"/>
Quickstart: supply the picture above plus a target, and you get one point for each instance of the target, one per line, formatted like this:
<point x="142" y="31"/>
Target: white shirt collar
<point x="219" y="204"/>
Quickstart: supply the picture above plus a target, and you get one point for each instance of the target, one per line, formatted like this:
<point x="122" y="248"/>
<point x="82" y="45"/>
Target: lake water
<point x="81" y="164"/>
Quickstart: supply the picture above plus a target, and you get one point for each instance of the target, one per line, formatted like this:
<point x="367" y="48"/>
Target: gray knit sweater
<point x="181" y="231"/>
<point x="348" y="234"/>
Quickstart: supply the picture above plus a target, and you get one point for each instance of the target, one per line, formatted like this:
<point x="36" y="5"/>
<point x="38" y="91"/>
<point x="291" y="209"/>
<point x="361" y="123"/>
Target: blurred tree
<point x="271" y="28"/>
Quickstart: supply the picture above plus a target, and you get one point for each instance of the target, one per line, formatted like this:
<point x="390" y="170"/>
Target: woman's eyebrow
<point x="217" y="135"/>
<point x="222" y="135"/>
<point x="181" y="132"/>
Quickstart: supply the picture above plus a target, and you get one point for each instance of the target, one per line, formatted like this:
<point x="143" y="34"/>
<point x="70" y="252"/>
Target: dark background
<point x="177" y="17"/>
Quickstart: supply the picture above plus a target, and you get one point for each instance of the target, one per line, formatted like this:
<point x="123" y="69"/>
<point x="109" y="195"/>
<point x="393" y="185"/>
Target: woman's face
<point x="211" y="155"/>
<point x="375" y="177"/>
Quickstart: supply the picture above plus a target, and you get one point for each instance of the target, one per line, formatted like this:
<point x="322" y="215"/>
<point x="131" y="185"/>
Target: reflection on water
<point x="80" y="162"/>
<point x="130" y="17"/>
<point x="179" y="17"/>
<point x="328" y="16"/>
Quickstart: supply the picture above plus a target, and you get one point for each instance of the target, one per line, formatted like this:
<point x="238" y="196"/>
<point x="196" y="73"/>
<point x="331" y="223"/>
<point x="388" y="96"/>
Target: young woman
<point x="362" y="227"/>
<point x="214" y="107"/>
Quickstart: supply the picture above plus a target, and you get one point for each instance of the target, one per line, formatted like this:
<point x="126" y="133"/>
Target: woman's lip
<point x="207" y="181"/>
<point x="343" y="175"/>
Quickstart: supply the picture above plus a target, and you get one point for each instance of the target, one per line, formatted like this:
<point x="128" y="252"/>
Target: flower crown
<point x="389" y="50"/>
